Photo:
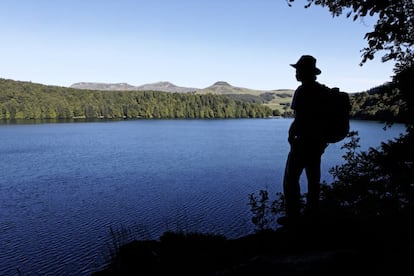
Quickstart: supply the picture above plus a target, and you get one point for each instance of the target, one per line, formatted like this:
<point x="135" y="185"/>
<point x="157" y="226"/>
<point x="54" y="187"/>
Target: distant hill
<point x="278" y="100"/>
<point x="162" y="86"/>
<point x="218" y="88"/>
<point x="224" y="88"/>
<point x="165" y="86"/>
<point x="103" y="86"/>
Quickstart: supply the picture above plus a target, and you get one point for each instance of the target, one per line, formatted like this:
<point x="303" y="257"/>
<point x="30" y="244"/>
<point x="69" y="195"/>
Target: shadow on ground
<point x="381" y="246"/>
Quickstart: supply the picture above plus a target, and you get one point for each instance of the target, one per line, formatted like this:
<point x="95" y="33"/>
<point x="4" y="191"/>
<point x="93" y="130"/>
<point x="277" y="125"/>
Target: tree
<point x="393" y="32"/>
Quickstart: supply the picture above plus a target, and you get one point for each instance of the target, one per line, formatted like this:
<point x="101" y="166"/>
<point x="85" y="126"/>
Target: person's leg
<point x="291" y="186"/>
<point x="313" y="174"/>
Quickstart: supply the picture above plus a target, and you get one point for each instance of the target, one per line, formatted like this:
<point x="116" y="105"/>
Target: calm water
<point x="63" y="185"/>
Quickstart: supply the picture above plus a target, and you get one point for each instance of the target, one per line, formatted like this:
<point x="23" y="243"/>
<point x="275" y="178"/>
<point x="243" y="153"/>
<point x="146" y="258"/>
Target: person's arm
<point x="292" y="134"/>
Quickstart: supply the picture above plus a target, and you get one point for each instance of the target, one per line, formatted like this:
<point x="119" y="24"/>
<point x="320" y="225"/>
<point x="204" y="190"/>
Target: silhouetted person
<point x="306" y="142"/>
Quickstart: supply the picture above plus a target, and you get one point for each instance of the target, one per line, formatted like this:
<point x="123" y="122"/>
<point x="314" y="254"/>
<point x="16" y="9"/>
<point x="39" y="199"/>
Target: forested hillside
<point x="26" y="100"/>
<point x="382" y="103"/>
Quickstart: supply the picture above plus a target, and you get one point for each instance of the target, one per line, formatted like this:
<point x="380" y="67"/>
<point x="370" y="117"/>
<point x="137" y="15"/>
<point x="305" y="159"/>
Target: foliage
<point x="383" y="103"/>
<point x="404" y="82"/>
<point x="378" y="182"/>
<point x="264" y="210"/>
<point x="393" y="32"/>
<point x="118" y="237"/>
<point x="24" y="100"/>
<point x="373" y="183"/>
<point x="390" y="102"/>
<point x="122" y="235"/>
<point x="246" y="98"/>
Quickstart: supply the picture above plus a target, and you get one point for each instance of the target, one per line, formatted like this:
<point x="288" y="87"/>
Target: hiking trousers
<point x="304" y="155"/>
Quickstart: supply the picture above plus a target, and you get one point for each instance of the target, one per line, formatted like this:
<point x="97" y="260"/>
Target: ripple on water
<point x="64" y="186"/>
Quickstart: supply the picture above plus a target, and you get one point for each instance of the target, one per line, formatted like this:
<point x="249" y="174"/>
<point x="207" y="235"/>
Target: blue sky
<point x="191" y="43"/>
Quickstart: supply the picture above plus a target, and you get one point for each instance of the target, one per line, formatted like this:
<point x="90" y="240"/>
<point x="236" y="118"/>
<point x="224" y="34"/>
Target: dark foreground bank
<point x="331" y="246"/>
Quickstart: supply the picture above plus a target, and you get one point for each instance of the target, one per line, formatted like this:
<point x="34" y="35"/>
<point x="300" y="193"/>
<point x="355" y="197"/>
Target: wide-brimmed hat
<point x="307" y="63"/>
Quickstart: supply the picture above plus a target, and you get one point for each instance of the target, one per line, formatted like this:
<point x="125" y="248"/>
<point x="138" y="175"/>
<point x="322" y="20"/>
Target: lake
<point x="63" y="186"/>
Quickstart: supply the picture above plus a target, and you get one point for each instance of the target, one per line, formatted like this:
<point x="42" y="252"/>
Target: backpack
<point x="337" y="107"/>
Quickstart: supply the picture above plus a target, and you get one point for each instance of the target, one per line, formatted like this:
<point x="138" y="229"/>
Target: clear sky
<point x="191" y="43"/>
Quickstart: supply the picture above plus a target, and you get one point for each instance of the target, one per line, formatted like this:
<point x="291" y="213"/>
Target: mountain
<point x="102" y="86"/>
<point x="218" y="88"/>
<point x="224" y="88"/>
<point x="163" y="86"/>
